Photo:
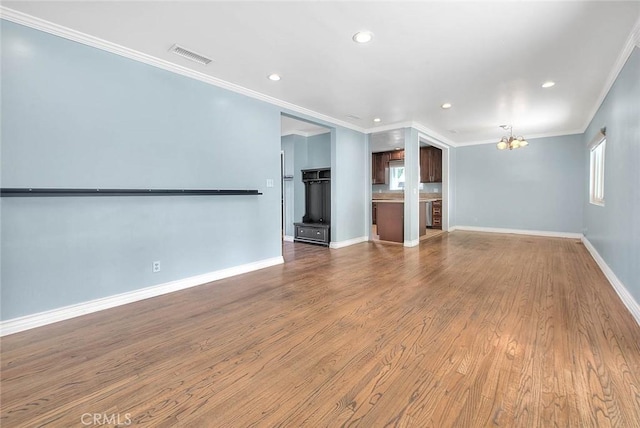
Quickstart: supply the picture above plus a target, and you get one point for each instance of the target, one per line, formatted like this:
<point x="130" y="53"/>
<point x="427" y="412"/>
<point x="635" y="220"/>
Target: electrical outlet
<point x="156" y="266"/>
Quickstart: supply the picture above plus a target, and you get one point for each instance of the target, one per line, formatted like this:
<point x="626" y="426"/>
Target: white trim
<point x="618" y="286"/>
<point x="632" y="41"/>
<point x="529" y="137"/>
<point x="597" y="139"/>
<point x="446" y="177"/>
<point x="411" y="243"/>
<point x="287" y="238"/>
<point x="27" y="322"/>
<point x="432" y="135"/>
<point x="348" y="242"/>
<point x="551" y="234"/>
<point x="307" y="134"/>
<point x="86" y="39"/>
<point x="427" y="132"/>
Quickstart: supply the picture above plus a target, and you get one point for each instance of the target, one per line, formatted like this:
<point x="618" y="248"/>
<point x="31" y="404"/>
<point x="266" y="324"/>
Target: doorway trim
<point x="446" y="171"/>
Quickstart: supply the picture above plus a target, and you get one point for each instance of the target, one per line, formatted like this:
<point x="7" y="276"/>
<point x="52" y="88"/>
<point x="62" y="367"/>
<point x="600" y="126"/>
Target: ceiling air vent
<point x="190" y="55"/>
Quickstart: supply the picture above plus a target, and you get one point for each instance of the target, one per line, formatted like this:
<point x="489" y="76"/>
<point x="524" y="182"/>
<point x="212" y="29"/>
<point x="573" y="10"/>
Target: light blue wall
<point x="614" y="230"/>
<point x="350" y="182"/>
<point x="301" y="153"/>
<point x="75" y="116"/>
<point x="453" y="189"/>
<point x="349" y="185"/>
<point x="319" y="151"/>
<point x="539" y="187"/>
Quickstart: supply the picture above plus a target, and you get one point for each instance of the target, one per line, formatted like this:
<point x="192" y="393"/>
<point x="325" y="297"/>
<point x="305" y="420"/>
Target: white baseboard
<point x="348" y="242"/>
<point x="622" y="291"/>
<point x="287" y="238"/>
<point x="519" y="231"/>
<point x="27" y="322"/>
<point x="412" y="243"/>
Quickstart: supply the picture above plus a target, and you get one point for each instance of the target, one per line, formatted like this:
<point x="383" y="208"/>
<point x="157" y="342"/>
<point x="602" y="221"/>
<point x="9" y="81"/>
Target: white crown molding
<point x="348" y="242"/>
<point x="549" y="234"/>
<point x="427" y="132"/>
<point x="618" y="286"/>
<point x="27" y="322"/>
<point x="528" y="137"/>
<point x="632" y="41"/>
<point x="86" y="39"/>
<point x="433" y="135"/>
<point x="306" y="134"/>
<point x="389" y="127"/>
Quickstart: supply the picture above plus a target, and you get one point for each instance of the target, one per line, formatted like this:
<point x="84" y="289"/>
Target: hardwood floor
<point x="467" y="330"/>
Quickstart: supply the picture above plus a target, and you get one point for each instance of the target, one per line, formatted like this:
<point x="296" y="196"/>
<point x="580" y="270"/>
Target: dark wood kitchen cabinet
<point x="430" y="165"/>
<point x="374" y="212"/>
<point x="379" y="165"/>
<point x="396" y="155"/>
<point x="436" y="215"/>
<point x="390" y="221"/>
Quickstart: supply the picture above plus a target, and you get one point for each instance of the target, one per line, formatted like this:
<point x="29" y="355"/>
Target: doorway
<point x="387" y="171"/>
<point x="304" y="145"/>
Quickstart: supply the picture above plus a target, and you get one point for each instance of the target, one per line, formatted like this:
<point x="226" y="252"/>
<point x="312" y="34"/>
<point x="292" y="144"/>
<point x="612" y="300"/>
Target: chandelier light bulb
<point x="511" y="142"/>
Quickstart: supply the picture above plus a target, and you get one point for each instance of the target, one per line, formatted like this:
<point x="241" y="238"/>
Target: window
<point x="596" y="175"/>
<point x="396" y="176"/>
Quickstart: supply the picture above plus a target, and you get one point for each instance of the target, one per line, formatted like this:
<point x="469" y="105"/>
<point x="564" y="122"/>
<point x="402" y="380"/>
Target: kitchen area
<point x="387" y="193"/>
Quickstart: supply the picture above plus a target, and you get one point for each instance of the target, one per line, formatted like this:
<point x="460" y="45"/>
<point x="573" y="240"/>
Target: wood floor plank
<point x="469" y="329"/>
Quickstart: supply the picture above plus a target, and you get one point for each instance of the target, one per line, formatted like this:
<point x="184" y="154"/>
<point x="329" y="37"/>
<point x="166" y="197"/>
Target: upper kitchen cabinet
<point x="430" y="165"/>
<point x="379" y="163"/>
<point x="396" y="155"/>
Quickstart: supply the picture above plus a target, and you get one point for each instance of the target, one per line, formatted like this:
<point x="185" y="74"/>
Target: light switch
<point x="269" y="182"/>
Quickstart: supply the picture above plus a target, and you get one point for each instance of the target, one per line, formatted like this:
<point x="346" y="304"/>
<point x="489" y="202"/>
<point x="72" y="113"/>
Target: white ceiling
<point x="293" y="126"/>
<point x="486" y="58"/>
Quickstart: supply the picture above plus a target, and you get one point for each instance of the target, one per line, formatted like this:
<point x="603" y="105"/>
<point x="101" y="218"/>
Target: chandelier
<point x="511" y="142"/>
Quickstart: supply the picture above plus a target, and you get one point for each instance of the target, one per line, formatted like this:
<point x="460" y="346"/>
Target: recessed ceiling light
<point x="548" y="84"/>
<point x="377" y="119"/>
<point x="274" y="76"/>
<point x="397" y="148"/>
<point x="363" y="37"/>
<point x="446" y="106"/>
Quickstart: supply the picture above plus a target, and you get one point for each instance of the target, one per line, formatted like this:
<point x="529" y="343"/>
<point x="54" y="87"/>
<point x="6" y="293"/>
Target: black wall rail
<point x="32" y="192"/>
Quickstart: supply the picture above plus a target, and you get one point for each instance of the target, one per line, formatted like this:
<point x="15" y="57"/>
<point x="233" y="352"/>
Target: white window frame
<point x="394" y="184"/>
<point x="596" y="172"/>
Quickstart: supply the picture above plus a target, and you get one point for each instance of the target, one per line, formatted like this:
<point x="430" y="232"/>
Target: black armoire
<point x="316" y="222"/>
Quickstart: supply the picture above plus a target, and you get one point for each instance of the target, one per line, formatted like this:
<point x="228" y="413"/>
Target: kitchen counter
<point x="390" y="219"/>
<point x="395" y="197"/>
<point x="401" y="201"/>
